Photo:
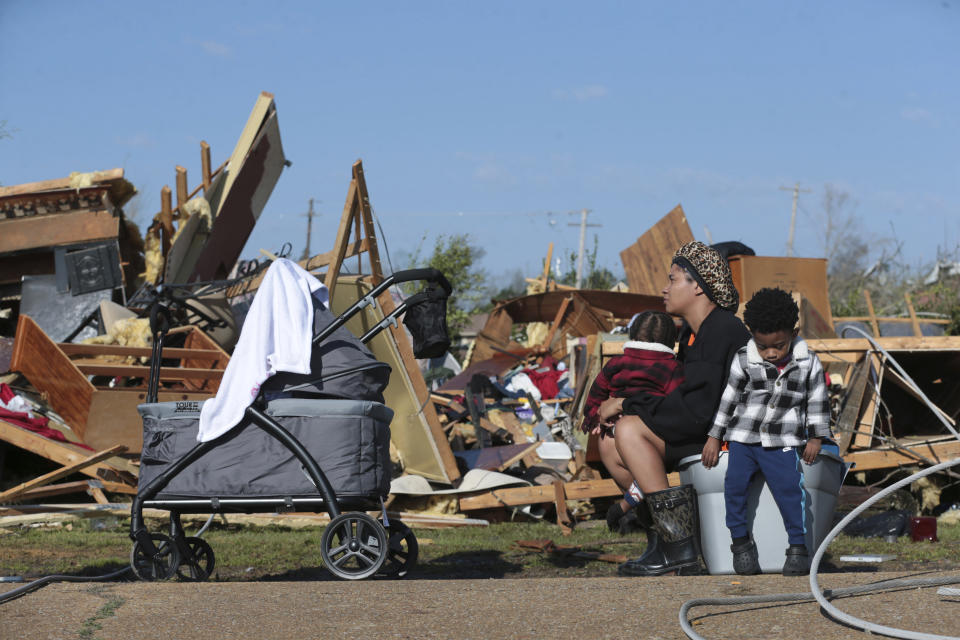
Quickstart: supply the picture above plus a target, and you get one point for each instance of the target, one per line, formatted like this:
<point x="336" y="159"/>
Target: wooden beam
<point x="89" y="486"/>
<point x="537" y="494"/>
<point x="373" y="251"/>
<point x="110" y="175"/>
<point x="888" y="458"/>
<point x="509" y="462"/>
<point x="78" y="349"/>
<point x="134" y="371"/>
<point x="556" y="321"/>
<point x="905" y="343"/>
<point x="343" y="236"/>
<point x="47" y="478"/>
<point x="181" y="191"/>
<point x="942" y="321"/>
<point x="205" y="176"/>
<point x="913" y="315"/>
<point x="21" y="234"/>
<point x="872" y="314"/>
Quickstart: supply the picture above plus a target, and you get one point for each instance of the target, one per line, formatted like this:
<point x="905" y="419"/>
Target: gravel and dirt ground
<point x="476" y="608"/>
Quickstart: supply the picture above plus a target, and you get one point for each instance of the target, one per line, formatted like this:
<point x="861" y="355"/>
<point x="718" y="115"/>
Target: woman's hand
<point x="610" y="409"/>
<point x="811" y="450"/>
<point x="711" y="453"/>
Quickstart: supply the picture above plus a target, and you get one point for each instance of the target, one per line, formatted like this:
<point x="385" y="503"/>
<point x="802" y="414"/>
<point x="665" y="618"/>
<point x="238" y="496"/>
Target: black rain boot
<point x="797" y="562"/>
<point x="675" y="518"/>
<point x="644" y="522"/>
<point x="746" y="559"/>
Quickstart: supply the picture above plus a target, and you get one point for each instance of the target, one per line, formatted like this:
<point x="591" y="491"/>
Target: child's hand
<point x="811" y="450"/>
<point x="597" y="430"/>
<point x="711" y="453"/>
<point x="609" y="409"/>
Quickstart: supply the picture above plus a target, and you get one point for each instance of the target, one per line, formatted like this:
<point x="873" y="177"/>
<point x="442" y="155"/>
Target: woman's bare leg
<point x="642" y="451"/>
<point x="614" y="464"/>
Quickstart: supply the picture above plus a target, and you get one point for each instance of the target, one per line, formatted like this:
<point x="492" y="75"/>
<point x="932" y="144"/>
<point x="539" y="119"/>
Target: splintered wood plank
<point x="856" y="388"/>
<point x="115" y="470"/>
<point x="47" y="478"/>
<point x="863" y="438"/>
<point x="647" y="261"/>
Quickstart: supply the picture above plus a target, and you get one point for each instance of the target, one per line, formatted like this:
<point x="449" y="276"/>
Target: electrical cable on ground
<point x="822" y="596"/>
<point x="39" y="582"/>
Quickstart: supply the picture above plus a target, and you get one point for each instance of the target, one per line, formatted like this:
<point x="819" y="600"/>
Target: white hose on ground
<point x="821" y="596"/>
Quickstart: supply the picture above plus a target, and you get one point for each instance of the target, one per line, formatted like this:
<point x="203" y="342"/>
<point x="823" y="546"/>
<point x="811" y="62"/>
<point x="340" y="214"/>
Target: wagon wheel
<point x="159" y="566"/>
<point x="354" y="546"/>
<point x="198" y="565"/>
<point x="402" y="550"/>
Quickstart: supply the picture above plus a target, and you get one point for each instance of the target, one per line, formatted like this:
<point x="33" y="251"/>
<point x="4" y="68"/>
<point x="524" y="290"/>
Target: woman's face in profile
<point x="680" y="292"/>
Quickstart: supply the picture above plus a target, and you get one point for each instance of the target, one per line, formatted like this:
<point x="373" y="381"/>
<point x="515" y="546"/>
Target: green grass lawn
<point x="274" y="553"/>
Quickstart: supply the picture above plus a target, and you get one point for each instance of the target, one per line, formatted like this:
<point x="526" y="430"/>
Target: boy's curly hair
<point x="771" y="310"/>
<point x="654" y="326"/>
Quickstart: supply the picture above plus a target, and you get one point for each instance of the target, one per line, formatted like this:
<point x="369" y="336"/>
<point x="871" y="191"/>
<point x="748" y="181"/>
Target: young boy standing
<point x="775" y="403"/>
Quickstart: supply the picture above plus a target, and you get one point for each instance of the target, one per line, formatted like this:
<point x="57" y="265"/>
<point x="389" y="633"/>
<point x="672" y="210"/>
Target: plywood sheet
<point x="806" y="276"/>
<point x="647" y="261"/>
<point x="246" y="186"/>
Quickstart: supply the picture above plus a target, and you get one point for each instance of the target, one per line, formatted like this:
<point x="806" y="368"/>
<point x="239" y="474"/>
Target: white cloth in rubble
<point x="521" y="383"/>
<point x="276" y="336"/>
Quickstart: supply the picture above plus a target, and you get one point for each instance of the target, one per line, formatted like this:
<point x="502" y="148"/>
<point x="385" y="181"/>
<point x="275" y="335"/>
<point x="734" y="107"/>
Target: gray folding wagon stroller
<point x="314" y="442"/>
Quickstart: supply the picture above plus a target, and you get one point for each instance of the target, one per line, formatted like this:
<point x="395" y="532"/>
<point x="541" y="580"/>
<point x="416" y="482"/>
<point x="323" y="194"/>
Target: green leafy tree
<point x="456" y="257"/>
<point x="594" y="277"/>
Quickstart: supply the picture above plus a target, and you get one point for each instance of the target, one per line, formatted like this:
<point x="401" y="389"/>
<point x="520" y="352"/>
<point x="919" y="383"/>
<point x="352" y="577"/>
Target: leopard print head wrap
<point x="711" y="272"/>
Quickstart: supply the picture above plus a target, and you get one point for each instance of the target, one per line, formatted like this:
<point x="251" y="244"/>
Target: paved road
<point x="577" y="608"/>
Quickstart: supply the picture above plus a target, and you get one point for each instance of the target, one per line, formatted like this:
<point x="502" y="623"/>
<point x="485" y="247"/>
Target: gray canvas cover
<point x="349" y="439"/>
<point x="340" y="367"/>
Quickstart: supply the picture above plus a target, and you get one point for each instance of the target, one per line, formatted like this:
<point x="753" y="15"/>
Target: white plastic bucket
<point x="821" y="481"/>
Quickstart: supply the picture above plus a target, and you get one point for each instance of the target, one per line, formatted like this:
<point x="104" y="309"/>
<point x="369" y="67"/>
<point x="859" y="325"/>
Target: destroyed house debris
<point x="498" y="440"/>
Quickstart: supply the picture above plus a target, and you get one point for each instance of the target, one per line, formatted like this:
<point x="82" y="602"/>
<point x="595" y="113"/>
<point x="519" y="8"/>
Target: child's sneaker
<point x="746" y="560"/>
<point x="797" y="562"/>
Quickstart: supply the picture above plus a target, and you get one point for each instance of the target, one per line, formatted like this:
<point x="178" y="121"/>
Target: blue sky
<point x="499" y="118"/>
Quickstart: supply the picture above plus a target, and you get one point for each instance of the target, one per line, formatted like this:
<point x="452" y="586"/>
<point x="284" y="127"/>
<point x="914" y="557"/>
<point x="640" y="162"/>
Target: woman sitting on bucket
<point x="653" y="433"/>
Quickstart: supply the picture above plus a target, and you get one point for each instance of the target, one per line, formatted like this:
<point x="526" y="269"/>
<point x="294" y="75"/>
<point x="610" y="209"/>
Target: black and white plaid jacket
<point x="774" y="409"/>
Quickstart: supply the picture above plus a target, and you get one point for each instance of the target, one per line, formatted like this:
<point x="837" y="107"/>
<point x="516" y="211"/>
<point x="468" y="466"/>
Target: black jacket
<point x="685" y="415"/>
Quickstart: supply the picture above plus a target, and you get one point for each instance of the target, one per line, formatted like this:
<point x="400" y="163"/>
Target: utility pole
<point x="309" y="214"/>
<point x="583" y="234"/>
<point x="793" y="213"/>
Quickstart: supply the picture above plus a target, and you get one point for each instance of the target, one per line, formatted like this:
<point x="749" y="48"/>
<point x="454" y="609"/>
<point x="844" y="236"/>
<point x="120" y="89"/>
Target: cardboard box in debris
<point x="498" y="437"/>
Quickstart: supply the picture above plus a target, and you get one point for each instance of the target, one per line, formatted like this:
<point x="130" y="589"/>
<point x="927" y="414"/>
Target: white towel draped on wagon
<point x="276" y="336"/>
